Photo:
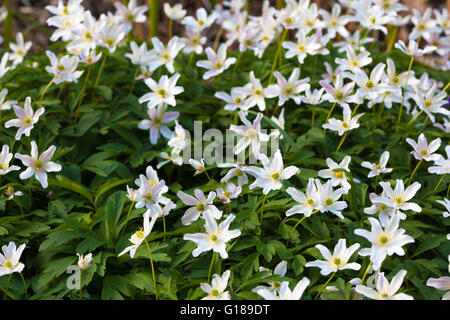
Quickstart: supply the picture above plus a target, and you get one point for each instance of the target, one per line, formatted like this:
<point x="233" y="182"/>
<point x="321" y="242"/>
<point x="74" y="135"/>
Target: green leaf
<point x="68" y="184"/>
<point x="108" y="185"/>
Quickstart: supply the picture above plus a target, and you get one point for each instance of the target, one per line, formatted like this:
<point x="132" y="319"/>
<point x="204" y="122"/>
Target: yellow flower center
<point x="275" y="176"/>
<point x="339" y="95"/>
<point x="329" y="202"/>
<point x="200" y="207"/>
<point x="218" y="65"/>
<point x="213" y="237"/>
<point x="8" y="264"/>
<point x="38" y="164"/>
<point x="215" y="292"/>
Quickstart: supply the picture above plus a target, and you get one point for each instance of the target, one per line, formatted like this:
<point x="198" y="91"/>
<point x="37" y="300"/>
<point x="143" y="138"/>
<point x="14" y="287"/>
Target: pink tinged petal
<point x="41" y="176"/>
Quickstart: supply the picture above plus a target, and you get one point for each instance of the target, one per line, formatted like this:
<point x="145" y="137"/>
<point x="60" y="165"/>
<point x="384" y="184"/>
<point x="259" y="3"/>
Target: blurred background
<point x="29" y="16"/>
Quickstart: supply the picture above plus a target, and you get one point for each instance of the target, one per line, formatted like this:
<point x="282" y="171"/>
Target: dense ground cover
<point x="108" y="187"/>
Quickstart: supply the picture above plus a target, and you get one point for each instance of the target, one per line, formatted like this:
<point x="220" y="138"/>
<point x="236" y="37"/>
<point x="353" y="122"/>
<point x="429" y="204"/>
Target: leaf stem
<point x="323" y="287"/>
<point x="210" y="266"/>
<point x="153" y="269"/>
<point x="329" y="115"/>
<point x="415" y="169"/>
<point x="404" y="93"/>
<point x="363" y="278"/>
<point x="274" y="63"/>
<point x="45" y="90"/>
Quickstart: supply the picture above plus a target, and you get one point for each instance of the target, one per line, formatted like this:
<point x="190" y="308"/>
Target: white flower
<point x="384" y="212"/>
<point x="336" y="261"/>
<point x="84" y="262"/>
<point x="26" y="119"/>
<point x="279" y="122"/>
<point x="441" y="165"/>
<point x="303" y="47"/>
<point x="131" y="13"/>
<point x="11" y="193"/>
<point x="284" y="293"/>
<point x="442" y="283"/>
<point x="237" y="170"/>
<point x="156" y="122"/>
<point x="385" y="241"/>
<point x="269" y="177"/>
<point x="139" y="55"/>
<point x="336" y="173"/>
<point x="199" y="205"/>
<point x="150" y="192"/>
<point x="63" y="69"/>
<point x="202" y="22"/>
<point x="384" y="289"/>
<point x="5" y="158"/>
<point x="280" y="270"/>
<point x="163" y="92"/>
<point x="423" y="24"/>
<point x="348" y="123"/>
<point x="237" y="99"/>
<point x="216" y="291"/>
<point x="193" y="41"/>
<point x="198" y="165"/>
<point x="215" y="237"/>
<point x="3" y="68"/>
<point x="139" y="236"/>
<point x="5" y="105"/>
<point x="334" y="22"/>
<point x="110" y="37"/>
<point x="430" y="102"/>
<point x="306" y="202"/>
<point x="38" y="165"/>
<point x="413" y="48"/>
<point x="251" y="134"/>
<point x="328" y="198"/>
<point x="161" y="55"/>
<point x="19" y="49"/>
<point x="338" y="92"/>
<point x="424" y="151"/>
<point x="287" y="89"/>
<point x="446" y="204"/>
<point x="378" y="168"/>
<point x="354" y="62"/>
<point x="216" y="63"/>
<point x="399" y="197"/>
<point x="9" y="260"/>
<point x="231" y="192"/>
<point x="175" y="13"/>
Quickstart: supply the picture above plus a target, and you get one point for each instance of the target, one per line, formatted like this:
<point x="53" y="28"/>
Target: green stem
<point x="45" y="90"/>
<point x="217" y="38"/>
<point x="24" y="285"/>
<point x="154" y="17"/>
<point x="153" y="269"/>
<point x="7" y="285"/>
<point x="313" y="115"/>
<point x="328" y="116"/>
<point x="191" y="56"/>
<point x="81" y="284"/>
<point x="97" y="81"/>
<point x="128" y="215"/>
<point x="82" y="93"/>
<point x="170" y="28"/>
<point x="404" y="92"/>
<point x="274" y="63"/>
<point x="323" y="287"/>
<point x="439" y="182"/>
<point x="415" y="117"/>
<point x="210" y="266"/>
<point x="363" y="278"/>
<point x="342" y="141"/>
<point x="164" y="228"/>
<point x="415" y="169"/>
<point x="425" y="122"/>
<point x="446" y="87"/>
<point x="236" y="64"/>
<point x="262" y="207"/>
<point x="299" y="221"/>
<point x="136" y="73"/>
<point x="60" y="91"/>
